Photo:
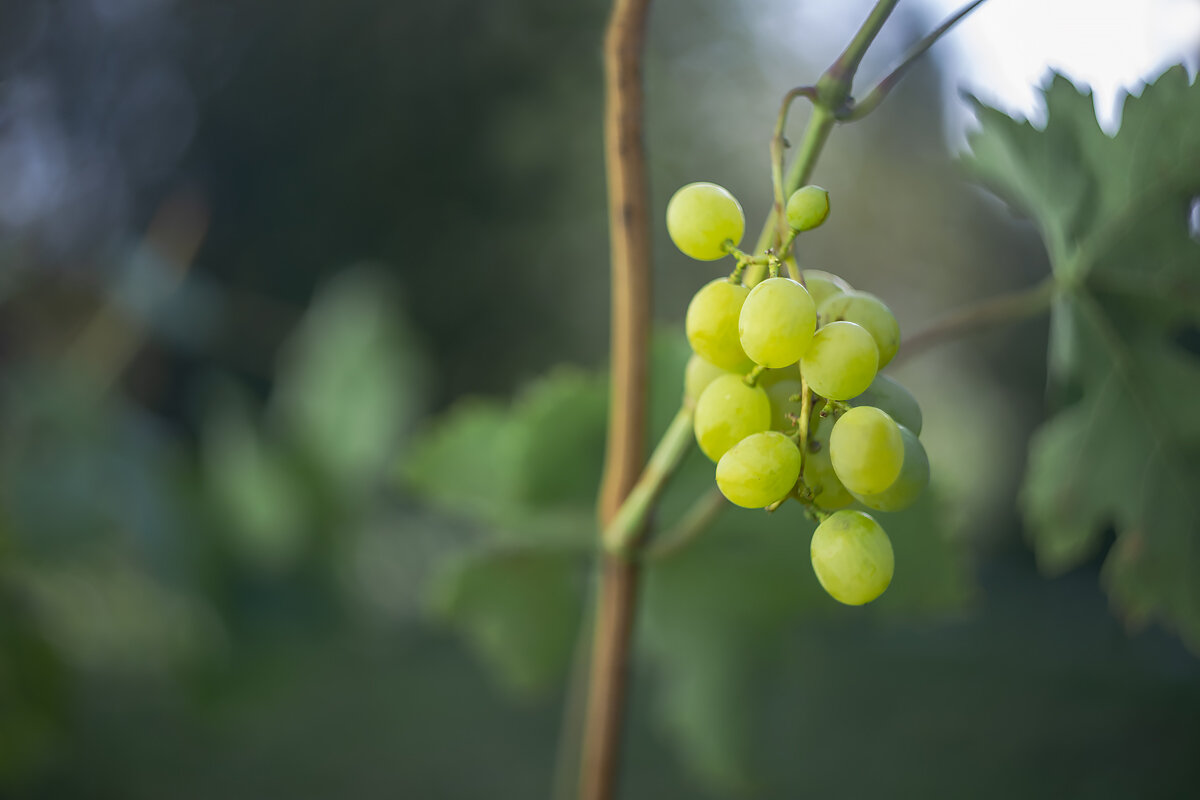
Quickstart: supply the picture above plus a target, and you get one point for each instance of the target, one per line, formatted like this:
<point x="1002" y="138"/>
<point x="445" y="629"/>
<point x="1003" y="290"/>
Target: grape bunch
<point x="788" y="398"/>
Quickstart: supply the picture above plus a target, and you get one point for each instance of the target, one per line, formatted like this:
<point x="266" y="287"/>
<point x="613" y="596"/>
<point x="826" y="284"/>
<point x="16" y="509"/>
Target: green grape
<point x="890" y="395"/>
<point x="712" y="325"/>
<point x="870" y="312"/>
<point x="697" y="375"/>
<point x="807" y="208"/>
<point x="852" y="557"/>
<point x="777" y="322"/>
<point x="727" y="412"/>
<point x="841" y="361"/>
<point x="822" y="284"/>
<point x="779" y="392"/>
<point x="867" y="450"/>
<point x="759" y="470"/>
<point x="914" y="477"/>
<point x="702" y="217"/>
<point x="828" y="492"/>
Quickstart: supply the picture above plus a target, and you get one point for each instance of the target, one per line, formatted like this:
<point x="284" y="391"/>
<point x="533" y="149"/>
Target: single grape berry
<point x="727" y="412"/>
<point x="712" y="325"/>
<point x="841" y="361"/>
<point x="852" y="557"/>
<point x="702" y="218"/>
<point x="866" y="449"/>
<point x="914" y="477"/>
<point x="807" y="208"/>
<point x="777" y="322"/>
<point x="869" y="311"/>
<point x="759" y="470"/>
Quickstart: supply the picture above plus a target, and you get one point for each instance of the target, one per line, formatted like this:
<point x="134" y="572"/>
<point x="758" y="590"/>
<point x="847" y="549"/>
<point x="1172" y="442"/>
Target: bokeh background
<point x="249" y="251"/>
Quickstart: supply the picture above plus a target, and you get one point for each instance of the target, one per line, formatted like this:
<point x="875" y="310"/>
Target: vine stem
<point x="987" y="313"/>
<point x="820" y="125"/>
<point x="778" y="143"/>
<point x="629" y="237"/>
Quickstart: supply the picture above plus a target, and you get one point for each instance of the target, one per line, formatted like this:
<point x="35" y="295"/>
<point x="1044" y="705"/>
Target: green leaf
<point x="519" y="609"/>
<point x="255" y="488"/>
<point x="1125" y="454"/>
<point x="526" y="474"/>
<point x="348" y="381"/>
<point x="528" y="471"/>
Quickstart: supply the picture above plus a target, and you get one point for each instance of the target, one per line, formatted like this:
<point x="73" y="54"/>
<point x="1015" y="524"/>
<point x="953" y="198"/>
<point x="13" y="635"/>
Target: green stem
<point x="702" y="514"/>
<point x="621" y="535"/>
<point x="820" y="125"/>
<point x="836" y="82"/>
<point x="876" y="96"/>
<point x="778" y="143"/>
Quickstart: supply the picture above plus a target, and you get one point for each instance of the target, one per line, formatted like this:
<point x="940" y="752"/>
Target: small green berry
<point x="807" y="208"/>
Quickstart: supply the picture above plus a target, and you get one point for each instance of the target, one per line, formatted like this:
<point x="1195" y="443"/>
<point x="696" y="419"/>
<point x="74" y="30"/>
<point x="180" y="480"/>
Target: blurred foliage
<point x="210" y="585"/>
<point x="711" y="614"/>
<point x="1125" y="450"/>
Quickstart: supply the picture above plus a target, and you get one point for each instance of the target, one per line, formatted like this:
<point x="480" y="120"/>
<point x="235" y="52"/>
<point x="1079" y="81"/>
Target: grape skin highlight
<point x="712" y="324"/>
<point x="841" y="361"/>
<point x="777" y="322"/>
<point x="852" y="557"/>
<point x="727" y="412"/>
<point x="702" y="217"/>
<point x="759" y="470"/>
<point x="866" y="449"/>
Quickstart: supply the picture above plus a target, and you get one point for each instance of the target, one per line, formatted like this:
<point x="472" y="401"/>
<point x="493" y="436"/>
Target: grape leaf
<point x="1125" y="453"/>
<point x="348" y="378"/>
<point x="492" y="597"/>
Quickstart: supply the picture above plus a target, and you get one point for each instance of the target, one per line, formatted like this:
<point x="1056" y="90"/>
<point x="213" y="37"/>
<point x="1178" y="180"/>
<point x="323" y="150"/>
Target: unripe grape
<point x="822" y="284"/>
<point x="852" y="557"/>
<point x="759" y="470"/>
<point x="866" y="449"/>
<point x="712" y="324"/>
<point x="890" y="395"/>
<point x="727" y="412"/>
<point x="914" y="477"/>
<point x="869" y="311"/>
<point x="807" y="208"/>
<point x="697" y="375"/>
<point x="819" y="476"/>
<point x="841" y="361"/>
<point x="702" y="217"/>
<point x="777" y="322"/>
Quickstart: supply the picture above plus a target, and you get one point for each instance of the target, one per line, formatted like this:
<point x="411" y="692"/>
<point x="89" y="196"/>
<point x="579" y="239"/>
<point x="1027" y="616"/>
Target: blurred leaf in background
<point x="1124" y="451"/>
